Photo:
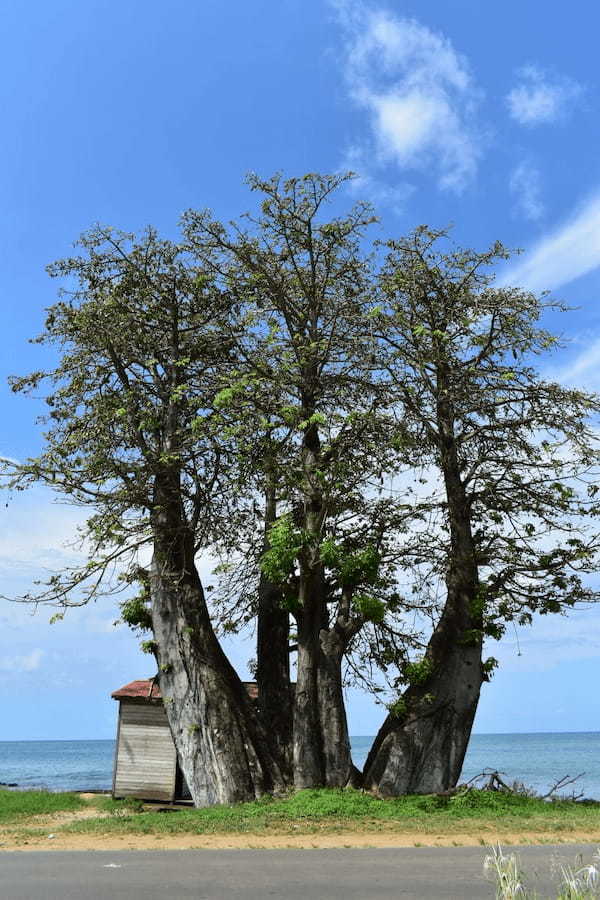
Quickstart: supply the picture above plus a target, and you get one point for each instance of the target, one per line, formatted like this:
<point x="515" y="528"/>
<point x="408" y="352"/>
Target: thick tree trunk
<point x="337" y="758"/>
<point x="322" y="756"/>
<point x="223" y="749"/>
<point x="308" y="757"/>
<point x="308" y="760"/>
<point x="421" y="747"/>
<point x="321" y="752"/>
<point x="275" y="702"/>
<point x="273" y="657"/>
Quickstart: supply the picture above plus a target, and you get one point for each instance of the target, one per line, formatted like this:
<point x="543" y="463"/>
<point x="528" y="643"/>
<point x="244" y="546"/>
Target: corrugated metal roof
<point x="142" y="689"/>
<point x="148" y="689"/>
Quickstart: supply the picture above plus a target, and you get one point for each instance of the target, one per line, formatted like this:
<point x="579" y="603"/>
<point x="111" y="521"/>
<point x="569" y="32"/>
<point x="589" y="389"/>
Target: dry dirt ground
<point x="288" y="842"/>
<point x="41" y="833"/>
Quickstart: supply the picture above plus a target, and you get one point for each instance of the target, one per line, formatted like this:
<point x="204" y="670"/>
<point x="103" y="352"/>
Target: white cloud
<point x="367" y="184"/>
<point x="417" y="91"/>
<point x="583" y="369"/>
<point x="571" y="250"/>
<point x="525" y="186"/>
<point x="549" y="642"/>
<point x="541" y="97"/>
<point x="38" y="532"/>
<point x="27" y="663"/>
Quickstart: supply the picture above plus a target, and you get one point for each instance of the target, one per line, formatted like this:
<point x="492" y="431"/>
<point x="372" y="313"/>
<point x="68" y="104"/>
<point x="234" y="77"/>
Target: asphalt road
<point x="422" y="873"/>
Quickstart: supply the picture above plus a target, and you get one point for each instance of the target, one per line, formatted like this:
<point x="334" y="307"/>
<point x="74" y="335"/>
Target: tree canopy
<point x="361" y="440"/>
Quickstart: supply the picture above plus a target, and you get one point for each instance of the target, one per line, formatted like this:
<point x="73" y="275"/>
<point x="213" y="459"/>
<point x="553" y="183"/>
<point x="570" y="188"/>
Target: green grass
<point x="316" y="812"/>
<point x="16" y="806"/>
<point x="349" y="810"/>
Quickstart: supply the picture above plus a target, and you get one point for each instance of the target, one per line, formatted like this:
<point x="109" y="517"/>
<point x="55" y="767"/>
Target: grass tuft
<point x="16" y="806"/>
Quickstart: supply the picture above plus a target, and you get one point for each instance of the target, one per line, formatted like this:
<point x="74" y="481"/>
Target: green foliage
<point x="417" y="672"/>
<point x="471" y="637"/>
<point x="478" y="602"/>
<point x="136" y="613"/>
<point x="370" y="608"/>
<point x="452" y="335"/>
<point x="397" y="708"/>
<point x="351" y="568"/>
<point x="331" y="553"/>
<point x="488" y="667"/>
<point x="226" y="396"/>
<point x="149" y="647"/>
<point x="472" y="799"/>
<point x="317" y="418"/>
<point x="291" y="415"/>
<point x="361" y="567"/>
<point x="494" y="629"/>
<point x="285" y="542"/>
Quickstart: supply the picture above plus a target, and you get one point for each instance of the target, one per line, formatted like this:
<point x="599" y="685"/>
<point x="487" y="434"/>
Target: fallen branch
<point x="562" y="783"/>
<point x="493" y="782"/>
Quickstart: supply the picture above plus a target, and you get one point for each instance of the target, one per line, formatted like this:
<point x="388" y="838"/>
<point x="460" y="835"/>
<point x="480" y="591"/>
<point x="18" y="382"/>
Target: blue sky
<point x="479" y="114"/>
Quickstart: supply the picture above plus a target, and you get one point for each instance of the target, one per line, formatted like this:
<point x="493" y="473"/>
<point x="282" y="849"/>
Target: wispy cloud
<point x="550" y="641"/>
<point x="368" y="184"/>
<point x="582" y="370"/>
<point x="525" y="187"/>
<point x="27" y="663"/>
<point x="571" y="250"/>
<point x="37" y="535"/>
<point x="416" y="90"/>
<point x="541" y="97"/>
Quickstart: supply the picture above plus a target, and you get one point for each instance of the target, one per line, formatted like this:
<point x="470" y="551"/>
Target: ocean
<point x="537" y="760"/>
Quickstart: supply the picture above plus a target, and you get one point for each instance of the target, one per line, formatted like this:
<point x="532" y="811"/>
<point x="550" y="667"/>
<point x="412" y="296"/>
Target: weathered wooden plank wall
<point x="146" y="759"/>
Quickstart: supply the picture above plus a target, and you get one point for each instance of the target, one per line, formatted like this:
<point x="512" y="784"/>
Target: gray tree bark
<point x="421" y="747"/>
<point x="308" y="760"/>
<point x="275" y="700"/>
<point x="322" y="755"/>
<point x="223" y="748"/>
<point x="337" y="757"/>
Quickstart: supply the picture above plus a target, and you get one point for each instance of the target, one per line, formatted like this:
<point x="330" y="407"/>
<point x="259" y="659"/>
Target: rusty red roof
<point x="148" y="689"/>
<point x="142" y="689"/>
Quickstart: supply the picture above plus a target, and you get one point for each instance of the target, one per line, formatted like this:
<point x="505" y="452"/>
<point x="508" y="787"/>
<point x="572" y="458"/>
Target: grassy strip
<point x="16" y="806"/>
<point x="337" y="811"/>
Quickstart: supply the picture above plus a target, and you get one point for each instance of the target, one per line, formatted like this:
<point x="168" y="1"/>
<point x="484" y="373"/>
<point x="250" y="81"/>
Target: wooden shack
<point x="146" y="763"/>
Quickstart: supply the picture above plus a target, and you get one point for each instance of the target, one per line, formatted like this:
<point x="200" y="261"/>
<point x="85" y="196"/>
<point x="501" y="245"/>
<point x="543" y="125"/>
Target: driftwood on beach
<point x="491" y="780"/>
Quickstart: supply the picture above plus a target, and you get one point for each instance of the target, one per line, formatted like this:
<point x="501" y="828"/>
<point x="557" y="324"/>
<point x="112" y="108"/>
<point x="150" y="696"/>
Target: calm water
<point x="536" y="759"/>
<point x="58" y="765"/>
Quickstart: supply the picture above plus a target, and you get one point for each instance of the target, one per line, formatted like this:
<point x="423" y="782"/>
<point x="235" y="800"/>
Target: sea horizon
<point x="536" y="759"/>
<point x="474" y="734"/>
